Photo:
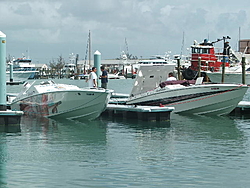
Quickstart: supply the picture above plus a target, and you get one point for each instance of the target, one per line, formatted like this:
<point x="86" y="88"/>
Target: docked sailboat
<point x="52" y="100"/>
<point x="188" y="97"/>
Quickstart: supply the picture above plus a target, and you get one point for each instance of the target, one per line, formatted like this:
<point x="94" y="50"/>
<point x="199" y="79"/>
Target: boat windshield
<point x="200" y="50"/>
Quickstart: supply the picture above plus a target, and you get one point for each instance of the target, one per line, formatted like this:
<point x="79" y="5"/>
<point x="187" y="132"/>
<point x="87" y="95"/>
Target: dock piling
<point x="11" y="72"/>
<point x="97" y="64"/>
<point x="243" y="64"/>
<point x="2" y="71"/>
<point x="7" y="117"/>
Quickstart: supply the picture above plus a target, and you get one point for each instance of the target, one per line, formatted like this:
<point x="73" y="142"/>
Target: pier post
<point x="11" y="72"/>
<point x="243" y="63"/>
<point x="2" y="71"/>
<point x="8" y="118"/>
<point x="199" y="66"/>
<point x="97" y="64"/>
<point x="223" y="69"/>
<point x="178" y="68"/>
<point x="132" y="71"/>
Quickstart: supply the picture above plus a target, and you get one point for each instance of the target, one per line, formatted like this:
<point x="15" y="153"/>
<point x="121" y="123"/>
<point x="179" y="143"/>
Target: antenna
<point x="239" y="40"/>
<point x="182" y="43"/>
<point x="88" y="50"/>
<point x="126" y="45"/>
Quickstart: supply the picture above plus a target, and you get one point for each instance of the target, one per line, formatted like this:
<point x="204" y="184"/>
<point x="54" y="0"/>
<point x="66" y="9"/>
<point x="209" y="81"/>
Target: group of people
<point x="92" y="79"/>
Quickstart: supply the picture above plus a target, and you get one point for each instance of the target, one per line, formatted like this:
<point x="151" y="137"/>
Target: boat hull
<point x="230" y="77"/>
<point x="79" y="104"/>
<point x="210" y="99"/>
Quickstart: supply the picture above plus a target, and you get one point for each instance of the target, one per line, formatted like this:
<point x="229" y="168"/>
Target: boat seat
<point x="173" y="82"/>
<point x="199" y="80"/>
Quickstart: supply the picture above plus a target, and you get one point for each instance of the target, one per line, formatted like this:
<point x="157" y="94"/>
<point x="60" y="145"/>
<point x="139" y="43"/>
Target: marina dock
<point x="144" y="113"/>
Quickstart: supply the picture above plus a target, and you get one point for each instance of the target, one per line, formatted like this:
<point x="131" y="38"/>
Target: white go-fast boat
<point x="52" y="100"/>
<point x="188" y="97"/>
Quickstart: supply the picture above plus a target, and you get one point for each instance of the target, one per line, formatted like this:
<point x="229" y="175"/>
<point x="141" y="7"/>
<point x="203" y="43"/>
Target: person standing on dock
<point x="92" y="79"/>
<point x="104" y="78"/>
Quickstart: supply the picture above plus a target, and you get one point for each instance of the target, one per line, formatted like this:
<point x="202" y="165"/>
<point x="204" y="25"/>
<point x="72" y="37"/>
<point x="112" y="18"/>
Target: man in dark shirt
<point x="104" y="78"/>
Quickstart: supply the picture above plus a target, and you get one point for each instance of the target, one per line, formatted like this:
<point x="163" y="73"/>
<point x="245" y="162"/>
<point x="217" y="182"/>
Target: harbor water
<point x="189" y="151"/>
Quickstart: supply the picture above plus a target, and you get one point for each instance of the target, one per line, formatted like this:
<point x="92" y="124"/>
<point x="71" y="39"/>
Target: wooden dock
<point x="144" y="113"/>
<point x="10" y="121"/>
<point x="242" y="108"/>
<point x="118" y="98"/>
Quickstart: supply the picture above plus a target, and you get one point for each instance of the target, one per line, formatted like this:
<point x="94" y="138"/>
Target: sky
<point x="47" y="29"/>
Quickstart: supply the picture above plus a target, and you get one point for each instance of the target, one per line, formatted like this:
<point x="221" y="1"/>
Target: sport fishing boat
<point x="187" y="96"/>
<point x="52" y="100"/>
<point x="23" y="69"/>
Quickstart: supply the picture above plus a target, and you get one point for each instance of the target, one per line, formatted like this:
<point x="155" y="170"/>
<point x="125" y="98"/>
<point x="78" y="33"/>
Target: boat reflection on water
<point x="136" y="123"/>
<point x="71" y="130"/>
<point x="214" y="128"/>
<point x="191" y="137"/>
<point x="36" y="124"/>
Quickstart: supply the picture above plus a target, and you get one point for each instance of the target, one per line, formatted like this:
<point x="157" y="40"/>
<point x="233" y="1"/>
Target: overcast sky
<point x="46" y="29"/>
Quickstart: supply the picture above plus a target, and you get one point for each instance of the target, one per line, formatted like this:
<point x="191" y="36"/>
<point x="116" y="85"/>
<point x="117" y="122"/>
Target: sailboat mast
<point x="239" y="40"/>
<point x="126" y="45"/>
<point x="183" y="40"/>
<point x="89" y="50"/>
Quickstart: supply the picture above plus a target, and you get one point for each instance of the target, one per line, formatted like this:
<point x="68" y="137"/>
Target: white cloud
<point x="143" y="7"/>
<point x="150" y="26"/>
<point x="165" y="11"/>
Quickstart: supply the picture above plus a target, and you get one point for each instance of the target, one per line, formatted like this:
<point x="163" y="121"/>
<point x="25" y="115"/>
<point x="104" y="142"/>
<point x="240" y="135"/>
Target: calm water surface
<point x="190" y="151"/>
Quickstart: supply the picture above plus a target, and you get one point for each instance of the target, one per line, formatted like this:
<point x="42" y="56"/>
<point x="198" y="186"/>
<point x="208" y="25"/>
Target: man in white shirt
<point x="92" y="80"/>
<point x="171" y="77"/>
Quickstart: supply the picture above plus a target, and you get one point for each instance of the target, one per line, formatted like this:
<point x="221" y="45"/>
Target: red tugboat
<point x="210" y="60"/>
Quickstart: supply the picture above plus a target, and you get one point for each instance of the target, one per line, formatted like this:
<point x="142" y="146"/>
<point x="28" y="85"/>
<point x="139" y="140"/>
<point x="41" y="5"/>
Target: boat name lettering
<point x="90" y="94"/>
<point x="215" y="88"/>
